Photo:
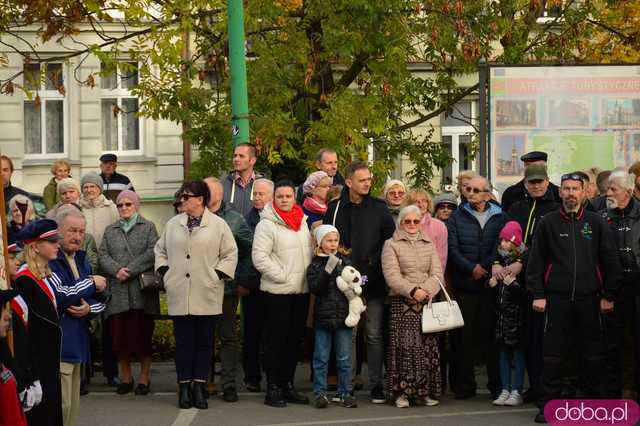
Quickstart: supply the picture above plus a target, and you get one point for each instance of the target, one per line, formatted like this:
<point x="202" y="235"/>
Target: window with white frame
<point x="119" y="108"/>
<point x="46" y="112"/>
<point x="458" y="127"/>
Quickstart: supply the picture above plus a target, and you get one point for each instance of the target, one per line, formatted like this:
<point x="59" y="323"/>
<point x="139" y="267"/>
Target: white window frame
<point x="119" y="94"/>
<point x="47" y="95"/>
<point x="455" y="132"/>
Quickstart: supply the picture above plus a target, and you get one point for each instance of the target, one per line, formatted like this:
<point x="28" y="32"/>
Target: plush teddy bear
<point x="350" y="283"/>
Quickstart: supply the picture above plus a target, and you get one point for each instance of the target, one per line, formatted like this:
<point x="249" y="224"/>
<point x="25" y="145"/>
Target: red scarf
<point x="292" y="218"/>
<point x="314" y="206"/>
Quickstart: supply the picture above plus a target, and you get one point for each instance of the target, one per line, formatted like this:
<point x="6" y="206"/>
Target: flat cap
<point x="534" y="156"/>
<point x="106" y="158"/>
<point x="535" y="172"/>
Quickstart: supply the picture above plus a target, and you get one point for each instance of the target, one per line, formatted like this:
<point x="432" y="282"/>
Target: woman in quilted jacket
<point x="411" y="267"/>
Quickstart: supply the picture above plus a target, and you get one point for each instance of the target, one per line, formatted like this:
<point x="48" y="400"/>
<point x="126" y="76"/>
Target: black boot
<point x="199" y="399"/>
<point x="184" y="395"/>
<point x="274" y="396"/>
<point x="293" y="396"/>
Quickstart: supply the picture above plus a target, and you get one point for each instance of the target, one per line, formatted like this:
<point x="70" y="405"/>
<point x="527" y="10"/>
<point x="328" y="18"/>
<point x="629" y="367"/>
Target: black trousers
<point x="253" y="317"/>
<point x="580" y="322"/>
<point x="625" y="316"/>
<point x="474" y="343"/>
<point x="194" y="345"/>
<point x="285" y="320"/>
<point x="534" y="349"/>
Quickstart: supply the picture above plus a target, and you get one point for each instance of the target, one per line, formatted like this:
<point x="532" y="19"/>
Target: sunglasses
<point x="396" y="194"/>
<point x="446" y="207"/>
<point x="411" y="221"/>
<point x="185" y="197"/>
<point x="571" y="176"/>
<point x="121" y="205"/>
<point x="476" y="190"/>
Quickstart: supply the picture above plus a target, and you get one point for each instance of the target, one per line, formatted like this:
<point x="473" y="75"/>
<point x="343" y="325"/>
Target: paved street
<point x="103" y="407"/>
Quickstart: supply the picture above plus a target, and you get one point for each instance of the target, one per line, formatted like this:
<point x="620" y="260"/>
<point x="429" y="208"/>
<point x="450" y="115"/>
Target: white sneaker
<point x="431" y="402"/>
<point x="514" y="400"/>
<point x="402" y="402"/>
<point x="504" y="395"/>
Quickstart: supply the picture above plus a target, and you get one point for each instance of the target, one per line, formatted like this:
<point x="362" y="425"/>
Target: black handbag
<point x="148" y="280"/>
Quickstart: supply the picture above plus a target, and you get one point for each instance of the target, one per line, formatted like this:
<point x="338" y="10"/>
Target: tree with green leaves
<point x="345" y="74"/>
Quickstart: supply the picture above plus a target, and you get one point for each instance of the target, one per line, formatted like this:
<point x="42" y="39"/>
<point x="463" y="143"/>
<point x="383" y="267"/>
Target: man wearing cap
<point x="238" y="185"/>
<point x="518" y="191"/>
<point x="113" y="182"/>
<point x="528" y="212"/>
<point x="573" y="274"/>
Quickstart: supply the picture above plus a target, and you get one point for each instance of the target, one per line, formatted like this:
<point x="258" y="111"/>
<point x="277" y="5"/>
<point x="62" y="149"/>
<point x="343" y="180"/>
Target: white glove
<point x="31" y="396"/>
<point x="37" y="389"/>
<point x="332" y="263"/>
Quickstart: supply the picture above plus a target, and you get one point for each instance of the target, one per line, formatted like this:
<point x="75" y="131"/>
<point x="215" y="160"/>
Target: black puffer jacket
<point x="511" y="315"/>
<point x="331" y="305"/>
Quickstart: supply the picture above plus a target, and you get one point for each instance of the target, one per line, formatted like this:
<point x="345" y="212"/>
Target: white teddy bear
<point x="350" y="283"/>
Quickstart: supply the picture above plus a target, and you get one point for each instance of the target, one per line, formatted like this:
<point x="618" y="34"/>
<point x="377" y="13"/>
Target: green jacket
<point x="50" y="194"/>
<point x="89" y="246"/>
<point x="244" y="240"/>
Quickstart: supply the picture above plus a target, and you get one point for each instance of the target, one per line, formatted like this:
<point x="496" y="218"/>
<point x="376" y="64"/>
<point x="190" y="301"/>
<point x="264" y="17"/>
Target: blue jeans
<point x="322" y="351"/>
<point x="505" y="369"/>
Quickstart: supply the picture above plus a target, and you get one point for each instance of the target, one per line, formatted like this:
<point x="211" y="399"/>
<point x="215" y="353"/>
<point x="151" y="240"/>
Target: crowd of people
<point x="536" y="273"/>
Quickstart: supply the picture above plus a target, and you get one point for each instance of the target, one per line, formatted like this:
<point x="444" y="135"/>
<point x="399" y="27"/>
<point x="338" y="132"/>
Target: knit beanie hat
<point x="390" y="184"/>
<point x="92" y="177"/>
<point x="131" y="196"/>
<point x="313" y="180"/>
<point x="323" y="230"/>
<point x="445" y="197"/>
<point x="67" y="184"/>
<point x="512" y="232"/>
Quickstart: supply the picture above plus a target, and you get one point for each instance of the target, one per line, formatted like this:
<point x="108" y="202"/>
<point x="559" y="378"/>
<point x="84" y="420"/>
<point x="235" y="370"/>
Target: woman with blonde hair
<point x="463" y="181"/>
<point x="48" y="299"/>
<point x="60" y="169"/>
<point x="430" y="226"/>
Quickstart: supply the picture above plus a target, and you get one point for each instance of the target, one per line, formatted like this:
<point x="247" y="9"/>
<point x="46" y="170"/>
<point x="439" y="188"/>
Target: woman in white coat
<point x="195" y="254"/>
<point x="282" y="250"/>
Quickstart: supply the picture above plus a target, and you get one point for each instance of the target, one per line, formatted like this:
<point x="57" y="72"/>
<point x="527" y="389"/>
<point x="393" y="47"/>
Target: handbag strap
<point x="446" y="295"/>
<point x="335" y="213"/>
<point x="126" y="243"/>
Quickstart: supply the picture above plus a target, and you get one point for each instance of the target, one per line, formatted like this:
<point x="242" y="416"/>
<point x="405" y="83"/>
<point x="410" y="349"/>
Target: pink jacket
<point x="436" y="230"/>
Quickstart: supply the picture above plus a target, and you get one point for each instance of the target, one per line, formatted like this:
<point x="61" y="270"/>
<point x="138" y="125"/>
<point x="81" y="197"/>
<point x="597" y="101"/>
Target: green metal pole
<point x="238" y="67"/>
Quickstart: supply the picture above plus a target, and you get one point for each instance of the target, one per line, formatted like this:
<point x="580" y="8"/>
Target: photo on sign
<point x="515" y="113"/>
<point x="508" y="150"/>
<point x="569" y="113"/>
<point x="621" y="112"/>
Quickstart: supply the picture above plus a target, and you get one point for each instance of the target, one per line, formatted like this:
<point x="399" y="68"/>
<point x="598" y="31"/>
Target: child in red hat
<point x="510" y="318"/>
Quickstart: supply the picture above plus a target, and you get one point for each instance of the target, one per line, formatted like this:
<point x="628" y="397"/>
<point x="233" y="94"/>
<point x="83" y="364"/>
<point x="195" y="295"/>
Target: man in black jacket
<point x="573" y="272"/>
<point x="623" y="216"/>
<point x="518" y="192"/>
<point x="473" y="237"/>
<point x="364" y="223"/>
<point x="252" y="297"/>
<point x="528" y="212"/>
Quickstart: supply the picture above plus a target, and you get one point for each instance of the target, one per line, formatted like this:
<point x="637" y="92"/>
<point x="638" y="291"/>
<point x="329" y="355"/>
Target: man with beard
<point x="623" y="216"/>
<point x="573" y="272"/>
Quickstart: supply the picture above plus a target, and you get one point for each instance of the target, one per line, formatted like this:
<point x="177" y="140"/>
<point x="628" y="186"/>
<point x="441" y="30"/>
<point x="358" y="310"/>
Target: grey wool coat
<point x="113" y="255"/>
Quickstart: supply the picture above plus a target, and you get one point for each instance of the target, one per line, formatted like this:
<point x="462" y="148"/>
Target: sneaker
<point x="321" y="401"/>
<point x="349" y="401"/>
<point x="431" y="402"/>
<point x="402" y="402"/>
<point x="336" y="397"/>
<point x="514" y="400"/>
<point x="377" y="395"/>
<point x="500" y="400"/>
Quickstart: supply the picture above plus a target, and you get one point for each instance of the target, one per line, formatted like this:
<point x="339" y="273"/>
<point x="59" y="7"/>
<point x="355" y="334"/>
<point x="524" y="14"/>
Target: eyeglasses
<point x="411" y="221"/>
<point x="476" y="190"/>
<point x="121" y="205"/>
<point x="396" y="193"/>
<point x="185" y="197"/>
<point x="446" y="207"/>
